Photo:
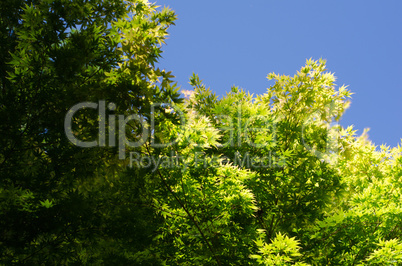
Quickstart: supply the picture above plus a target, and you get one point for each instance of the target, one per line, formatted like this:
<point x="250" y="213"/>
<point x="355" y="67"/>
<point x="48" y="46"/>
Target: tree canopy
<point x="102" y="160"/>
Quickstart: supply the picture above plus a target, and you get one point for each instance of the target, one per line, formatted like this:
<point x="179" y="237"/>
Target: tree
<point x="56" y="54"/>
<point x="267" y="180"/>
<point x="252" y="166"/>
<point x="251" y="174"/>
<point x="102" y="162"/>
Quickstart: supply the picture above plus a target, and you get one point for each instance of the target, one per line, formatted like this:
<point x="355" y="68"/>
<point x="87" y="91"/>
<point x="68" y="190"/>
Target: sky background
<point x="239" y="42"/>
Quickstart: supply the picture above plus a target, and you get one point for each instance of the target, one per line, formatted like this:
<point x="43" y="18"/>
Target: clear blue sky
<point x="239" y="42"/>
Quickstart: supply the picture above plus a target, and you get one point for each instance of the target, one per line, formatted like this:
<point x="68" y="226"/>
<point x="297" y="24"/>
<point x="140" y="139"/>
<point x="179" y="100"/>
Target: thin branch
<point x="190" y="216"/>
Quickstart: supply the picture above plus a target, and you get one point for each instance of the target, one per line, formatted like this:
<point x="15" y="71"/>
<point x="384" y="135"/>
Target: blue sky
<point x="239" y="42"/>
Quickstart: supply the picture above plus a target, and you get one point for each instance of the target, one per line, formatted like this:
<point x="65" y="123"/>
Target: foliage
<point x="279" y="252"/>
<point x="232" y="180"/>
<point x="56" y="198"/>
